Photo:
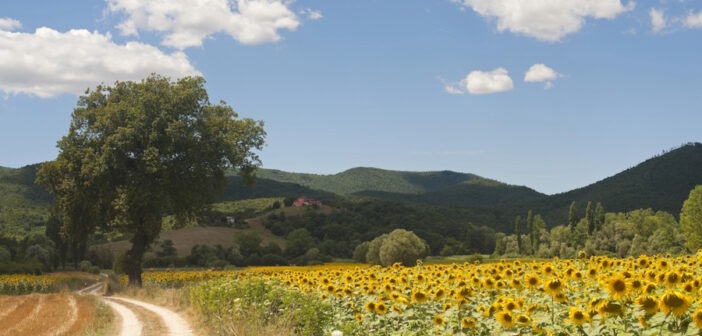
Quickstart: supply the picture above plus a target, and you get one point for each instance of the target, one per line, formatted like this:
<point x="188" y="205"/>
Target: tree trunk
<point x="134" y="258"/>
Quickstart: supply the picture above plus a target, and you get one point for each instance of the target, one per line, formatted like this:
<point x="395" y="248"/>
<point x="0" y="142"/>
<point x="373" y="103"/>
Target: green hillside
<point x="23" y="205"/>
<point x="660" y="183"/>
<point x="362" y="179"/>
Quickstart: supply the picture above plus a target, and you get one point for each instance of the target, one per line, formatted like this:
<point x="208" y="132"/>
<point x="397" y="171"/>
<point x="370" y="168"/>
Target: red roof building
<point x="306" y="201"/>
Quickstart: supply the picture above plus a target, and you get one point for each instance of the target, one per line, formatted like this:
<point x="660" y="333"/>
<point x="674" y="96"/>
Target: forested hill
<point x="363" y="179"/>
<point x="661" y="183"/>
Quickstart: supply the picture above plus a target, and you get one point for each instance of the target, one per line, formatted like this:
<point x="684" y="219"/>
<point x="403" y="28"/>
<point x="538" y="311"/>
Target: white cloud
<point x="311" y="14"/>
<point x="186" y="23"/>
<point x="48" y="63"/>
<point x="658" y="21"/>
<point x="540" y="73"/>
<point x="9" y="24"/>
<point x="693" y="20"/>
<point x="546" y="20"/>
<point x="482" y="82"/>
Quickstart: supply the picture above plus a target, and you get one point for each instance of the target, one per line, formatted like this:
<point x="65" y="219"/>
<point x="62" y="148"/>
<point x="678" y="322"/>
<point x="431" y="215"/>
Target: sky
<point x="549" y="94"/>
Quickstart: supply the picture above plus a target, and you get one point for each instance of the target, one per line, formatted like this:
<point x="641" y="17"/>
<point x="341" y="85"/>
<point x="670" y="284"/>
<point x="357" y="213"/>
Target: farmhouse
<point x="306" y="201"/>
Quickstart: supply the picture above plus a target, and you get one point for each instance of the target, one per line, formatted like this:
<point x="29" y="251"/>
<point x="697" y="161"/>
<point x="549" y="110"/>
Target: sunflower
<point x="419" y="296"/>
<point x="608" y="308"/>
<point x="523" y="320"/>
<point x="672" y="278"/>
<point x="553" y="286"/>
<point x="577" y="316"/>
<point x="438" y="320"/>
<point x="381" y="308"/>
<point x="370" y="306"/>
<point x="674" y="302"/>
<point x="617" y="286"/>
<point x="531" y="281"/>
<point x="506" y="319"/>
<point x="468" y="323"/>
<point x="697" y="318"/>
<point x="359" y="317"/>
<point x="648" y="304"/>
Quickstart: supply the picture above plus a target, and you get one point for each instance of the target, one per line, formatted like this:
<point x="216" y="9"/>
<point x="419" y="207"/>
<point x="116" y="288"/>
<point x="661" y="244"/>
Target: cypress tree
<point x="518" y="232"/>
<point x="590" y="218"/>
<point x="599" y="216"/>
<point x="573" y="216"/>
<point x="530" y="228"/>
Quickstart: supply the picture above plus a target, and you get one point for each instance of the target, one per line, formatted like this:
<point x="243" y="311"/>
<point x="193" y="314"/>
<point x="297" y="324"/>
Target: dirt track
<point x="68" y="314"/>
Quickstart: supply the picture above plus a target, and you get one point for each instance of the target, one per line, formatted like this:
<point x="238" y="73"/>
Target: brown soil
<point x="52" y="314"/>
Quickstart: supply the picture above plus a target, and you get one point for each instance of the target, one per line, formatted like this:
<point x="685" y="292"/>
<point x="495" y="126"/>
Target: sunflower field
<point x="18" y="284"/>
<point x="585" y="296"/>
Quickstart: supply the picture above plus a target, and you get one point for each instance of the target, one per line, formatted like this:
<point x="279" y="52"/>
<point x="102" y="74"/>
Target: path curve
<point x="130" y="324"/>
<point x="175" y="324"/>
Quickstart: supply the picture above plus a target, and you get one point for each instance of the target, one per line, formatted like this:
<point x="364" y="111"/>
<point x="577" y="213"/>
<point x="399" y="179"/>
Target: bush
<point x="373" y="254"/>
<point x="5" y="255"/>
<point x="360" y="252"/>
<point x="31" y="266"/>
<point x="402" y="246"/>
<point x="85" y="266"/>
<point x="101" y="257"/>
<point x="273" y="260"/>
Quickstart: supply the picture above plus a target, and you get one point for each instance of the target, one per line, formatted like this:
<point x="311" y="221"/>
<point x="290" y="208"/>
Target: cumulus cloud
<point x="48" y="63"/>
<point x="693" y="20"/>
<point x="9" y="24"/>
<point x="482" y="82"/>
<point x="540" y="73"/>
<point x="658" y="21"/>
<point x="546" y="20"/>
<point x="186" y="23"/>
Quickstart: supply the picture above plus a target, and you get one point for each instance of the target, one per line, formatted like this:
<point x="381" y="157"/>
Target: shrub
<point x="360" y="252"/>
<point x="404" y="247"/>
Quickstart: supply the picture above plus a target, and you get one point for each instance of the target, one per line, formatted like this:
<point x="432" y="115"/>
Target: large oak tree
<point x="137" y="151"/>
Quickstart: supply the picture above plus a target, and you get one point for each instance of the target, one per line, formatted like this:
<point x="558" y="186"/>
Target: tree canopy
<point x="138" y="150"/>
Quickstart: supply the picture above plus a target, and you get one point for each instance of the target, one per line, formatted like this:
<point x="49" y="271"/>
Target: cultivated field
<point x="648" y="295"/>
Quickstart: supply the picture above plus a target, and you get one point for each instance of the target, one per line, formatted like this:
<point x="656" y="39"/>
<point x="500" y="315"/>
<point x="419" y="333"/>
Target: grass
<point x="103" y="322"/>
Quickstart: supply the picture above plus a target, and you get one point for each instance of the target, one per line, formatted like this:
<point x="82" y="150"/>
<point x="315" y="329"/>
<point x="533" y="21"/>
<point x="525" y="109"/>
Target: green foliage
<point x="691" y="219"/>
<point x="136" y="151"/>
<point x="359" y="253"/>
<point x="223" y="302"/>
<point x="373" y="254"/>
<point x="399" y="246"/>
<point x="298" y="242"/>
<point x="249" y="243"/>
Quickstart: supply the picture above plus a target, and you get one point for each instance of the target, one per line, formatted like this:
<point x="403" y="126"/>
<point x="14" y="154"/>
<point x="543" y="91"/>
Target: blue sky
<point x="342" y="84"/>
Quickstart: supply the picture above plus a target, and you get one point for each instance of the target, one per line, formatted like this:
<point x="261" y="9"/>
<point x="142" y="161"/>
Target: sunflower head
<point x="617" y="286"/>
<point x="674" y="302"/>
<point x="648" y="304"/>
<point x="577" y="316"/>
<point x="381" y="308"/>
<point x="553" y="286"/>
<point x="506" y="319"/>
<point x="697" y="318"/>
<point x="419" y="296"/>
<point x="438" y="320"/>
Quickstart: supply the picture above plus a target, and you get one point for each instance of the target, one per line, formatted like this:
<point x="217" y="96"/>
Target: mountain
<point x="661" y="183"/>
<point x="364" y="180"/>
